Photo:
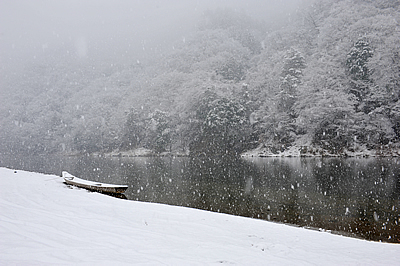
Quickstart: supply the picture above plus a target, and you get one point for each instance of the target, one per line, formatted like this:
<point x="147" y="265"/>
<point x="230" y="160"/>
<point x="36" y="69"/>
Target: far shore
<point x="267" y="151"/>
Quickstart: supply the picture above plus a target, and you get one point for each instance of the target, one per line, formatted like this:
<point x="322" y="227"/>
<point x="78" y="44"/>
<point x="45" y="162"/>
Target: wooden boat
<point x="94" y="186"/>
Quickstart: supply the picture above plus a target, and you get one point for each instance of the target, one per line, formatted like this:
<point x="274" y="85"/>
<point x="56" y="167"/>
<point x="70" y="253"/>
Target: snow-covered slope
<point x="42" y="222"/>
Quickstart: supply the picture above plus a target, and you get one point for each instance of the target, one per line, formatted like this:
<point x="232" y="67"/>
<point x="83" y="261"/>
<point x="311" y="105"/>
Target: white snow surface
<point x="44" y="222"/>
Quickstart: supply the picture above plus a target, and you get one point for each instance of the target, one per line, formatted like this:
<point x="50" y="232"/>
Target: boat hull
<point x="93" y="186"/>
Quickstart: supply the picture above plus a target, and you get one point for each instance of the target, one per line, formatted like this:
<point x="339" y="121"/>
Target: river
<point x="358" y="197"/>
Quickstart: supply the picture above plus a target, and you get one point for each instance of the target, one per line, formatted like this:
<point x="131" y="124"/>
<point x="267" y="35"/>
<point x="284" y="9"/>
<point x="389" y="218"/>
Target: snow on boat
<point x="94" y="186"/>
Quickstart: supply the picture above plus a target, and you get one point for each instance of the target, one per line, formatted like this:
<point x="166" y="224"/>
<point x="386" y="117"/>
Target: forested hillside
<point x="326" y="79"/>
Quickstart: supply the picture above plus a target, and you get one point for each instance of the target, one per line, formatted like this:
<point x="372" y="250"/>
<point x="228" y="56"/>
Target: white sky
<point x="104" y="28"/>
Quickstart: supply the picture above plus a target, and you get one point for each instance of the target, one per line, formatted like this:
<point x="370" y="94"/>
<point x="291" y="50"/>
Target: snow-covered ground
<point x="43" y="221"/>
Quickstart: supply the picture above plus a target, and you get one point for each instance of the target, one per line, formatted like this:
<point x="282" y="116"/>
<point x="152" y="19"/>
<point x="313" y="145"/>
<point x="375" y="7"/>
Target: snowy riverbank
<point x="43" y="222"/>
<point x="273" y="151"/>
<point x="310" y="151"/>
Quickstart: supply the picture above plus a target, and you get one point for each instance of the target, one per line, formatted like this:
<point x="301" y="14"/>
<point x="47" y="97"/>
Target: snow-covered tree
<point x="278" y="119"/>
<point x="357" y="60"/>
<point x="224" y="114"/>
<point x="134" y="130"/>
<point x="240" y="27"/>
<point x="223" y="123"/>
<point x="358" y="70"/>
<point x="348" y="92"/>
<point x="292" y="71"/>
<point x="232" y="69"/>
<point x="159" y="132"/>
<point x="220" y="125"/>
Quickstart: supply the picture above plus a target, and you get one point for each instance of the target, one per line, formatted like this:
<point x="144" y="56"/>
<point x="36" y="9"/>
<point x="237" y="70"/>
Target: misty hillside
<point x="327" y="78"/>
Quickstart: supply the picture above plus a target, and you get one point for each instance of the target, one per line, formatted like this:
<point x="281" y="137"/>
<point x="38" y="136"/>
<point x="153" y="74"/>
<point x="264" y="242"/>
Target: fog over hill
<point x="104" y="29"/>
<point x="184" y="76"/>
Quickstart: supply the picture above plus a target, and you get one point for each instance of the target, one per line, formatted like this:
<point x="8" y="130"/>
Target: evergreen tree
<point x="292" y="71"/>
<point x="221" y="126"/>
<point x="358" y="70"/>
<point x="279" y="121"/>
<point x="357" y="60"/>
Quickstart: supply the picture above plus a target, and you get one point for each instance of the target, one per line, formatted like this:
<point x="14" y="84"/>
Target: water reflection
<point x="358" y="197"/>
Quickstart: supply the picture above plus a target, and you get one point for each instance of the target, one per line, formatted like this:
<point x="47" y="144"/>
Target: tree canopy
<point x="328" y="78"/>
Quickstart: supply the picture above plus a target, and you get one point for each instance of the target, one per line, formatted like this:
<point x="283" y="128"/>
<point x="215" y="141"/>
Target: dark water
<point x="355" y="197"/>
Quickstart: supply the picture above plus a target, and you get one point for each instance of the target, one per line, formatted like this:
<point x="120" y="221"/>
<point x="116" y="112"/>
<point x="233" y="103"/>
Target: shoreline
<point x="310" y="151"/>
<point x="262" y="151"/>
<point x="268" y="151"/>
